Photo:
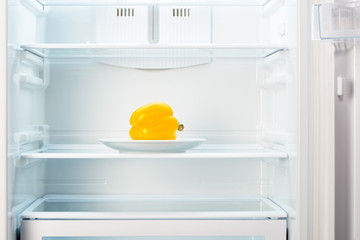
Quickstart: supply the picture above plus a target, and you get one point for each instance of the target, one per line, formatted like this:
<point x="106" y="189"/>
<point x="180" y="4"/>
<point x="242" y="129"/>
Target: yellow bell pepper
<point x="154" y="121"/>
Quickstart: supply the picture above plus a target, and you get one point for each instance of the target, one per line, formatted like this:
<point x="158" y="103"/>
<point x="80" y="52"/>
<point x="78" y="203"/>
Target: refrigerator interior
<point x="78" y="70"/>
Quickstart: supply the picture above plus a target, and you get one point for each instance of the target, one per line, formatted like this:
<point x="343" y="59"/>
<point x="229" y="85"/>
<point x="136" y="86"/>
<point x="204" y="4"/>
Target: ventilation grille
<point x="125" y="12"/>
<point x="181" y="12"/>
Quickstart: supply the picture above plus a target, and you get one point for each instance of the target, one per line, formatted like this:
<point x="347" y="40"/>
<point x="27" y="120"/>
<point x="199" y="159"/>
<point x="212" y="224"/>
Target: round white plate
<point x="169" y="146"/>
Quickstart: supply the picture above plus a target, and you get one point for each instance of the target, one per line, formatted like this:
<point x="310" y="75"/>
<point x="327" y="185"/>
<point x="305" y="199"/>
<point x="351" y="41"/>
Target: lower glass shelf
<point x="147" y="217"/>
<point x="204" y="151"/>
<point x="158" y="238"/>
<point x="152" y="207"/>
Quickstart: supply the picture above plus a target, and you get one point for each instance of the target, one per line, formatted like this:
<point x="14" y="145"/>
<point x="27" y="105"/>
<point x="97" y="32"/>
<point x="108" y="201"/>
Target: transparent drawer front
<point x="336" y="20"/>
<point x="149" y="218"/>
<point x="153" y="229"/>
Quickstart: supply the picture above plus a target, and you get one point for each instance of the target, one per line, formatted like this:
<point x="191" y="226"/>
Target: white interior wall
<point x="25" y="109"/>
<point x="219" y="101"/>
<point x="236" y="25"/>
<point x="26" y="105"/>
<point x="225" y="92"/>
<point x="156" y="176"/>
<point x="231" y="25"/>
<point x="279" y="111"/>
<point x="187" y="90"/>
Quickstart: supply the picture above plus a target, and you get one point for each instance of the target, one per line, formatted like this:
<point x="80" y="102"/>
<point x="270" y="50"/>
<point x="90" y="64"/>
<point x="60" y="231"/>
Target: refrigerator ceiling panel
<point x="155" y="2"/>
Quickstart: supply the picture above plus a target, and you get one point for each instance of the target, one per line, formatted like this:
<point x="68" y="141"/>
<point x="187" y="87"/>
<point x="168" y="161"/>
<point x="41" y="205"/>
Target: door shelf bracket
<point x="29" y="81"/>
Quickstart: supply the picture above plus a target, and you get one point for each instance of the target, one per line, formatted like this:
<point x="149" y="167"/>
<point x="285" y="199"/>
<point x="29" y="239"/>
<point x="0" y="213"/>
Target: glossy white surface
<point x="159" y="146"/>
<point x="37" y="229"/>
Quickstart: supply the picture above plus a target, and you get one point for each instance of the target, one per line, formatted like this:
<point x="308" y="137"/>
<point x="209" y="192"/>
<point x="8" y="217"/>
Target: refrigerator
<point x="265" y="89"/>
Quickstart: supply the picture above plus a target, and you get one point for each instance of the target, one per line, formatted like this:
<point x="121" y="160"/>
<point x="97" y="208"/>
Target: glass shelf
<point x="154" y="2"/>
<point x="204" y="151"/>
<point x="152" y="207"/>
<point x="339" y="20"/>
<point x="158" y="238"/>
<point x="118" y="51"/>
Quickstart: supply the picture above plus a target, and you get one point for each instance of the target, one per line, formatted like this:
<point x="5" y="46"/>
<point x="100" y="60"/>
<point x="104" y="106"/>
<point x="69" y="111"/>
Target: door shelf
<point x="205" y="151"/>
<point x="154" y="2"/>
<point x="149" y="51"/>
<point x="339" y="20"/>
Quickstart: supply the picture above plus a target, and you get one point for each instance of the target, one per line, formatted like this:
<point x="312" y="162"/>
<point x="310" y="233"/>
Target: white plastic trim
<point x="28" y="81"/>
<point x="339" y="89"/>
<point x="322" y="165"/>
<point x="25" y="162"/>
<point x="28" y="137"/>
<point x="278" y="137"/>
<point x="155" y="2"/>
<point x="275" y="81"/>
<point x="25" y="201"/>
<point x="36" y="229"/>
<point x="28" y="57"/>
<point x="303" y="203"/>
<point x="273" y="6"/>
<point x="3" y="121"/>
<point x="33" y="5"/>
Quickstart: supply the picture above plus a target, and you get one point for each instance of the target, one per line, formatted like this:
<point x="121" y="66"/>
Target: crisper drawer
<point x="148" y="218"/>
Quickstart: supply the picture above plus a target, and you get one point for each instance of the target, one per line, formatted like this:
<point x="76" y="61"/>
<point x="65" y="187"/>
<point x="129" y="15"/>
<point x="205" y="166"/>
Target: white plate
<point x="173" y="146"/>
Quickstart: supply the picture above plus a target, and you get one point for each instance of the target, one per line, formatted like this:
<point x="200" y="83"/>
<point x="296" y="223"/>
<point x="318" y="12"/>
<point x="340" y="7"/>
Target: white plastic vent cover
<point x="121" y="25"/>
<point x="185" y="25"/>
<point x="154" y="25"/>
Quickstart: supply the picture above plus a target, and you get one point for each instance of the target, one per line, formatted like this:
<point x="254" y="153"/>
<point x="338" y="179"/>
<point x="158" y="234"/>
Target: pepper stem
<point x="180" y="127"/>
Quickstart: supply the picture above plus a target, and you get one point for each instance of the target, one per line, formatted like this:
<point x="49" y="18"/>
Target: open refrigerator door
<point x="336" y="25"/>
